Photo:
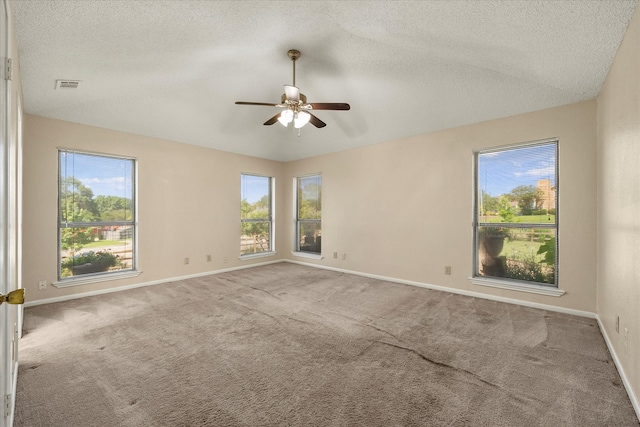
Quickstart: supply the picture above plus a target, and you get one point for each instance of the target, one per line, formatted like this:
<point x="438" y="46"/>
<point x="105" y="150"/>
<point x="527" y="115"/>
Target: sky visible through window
<point x="500" y="172"/>
<point x="105" y="176"/>
<point x="254" y="187"/>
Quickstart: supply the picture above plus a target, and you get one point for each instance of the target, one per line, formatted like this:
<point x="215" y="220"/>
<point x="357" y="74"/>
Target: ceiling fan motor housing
<point x="303" y="98"/>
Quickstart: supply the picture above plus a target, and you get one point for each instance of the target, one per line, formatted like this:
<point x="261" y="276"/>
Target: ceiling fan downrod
<point x="294" y="55"/>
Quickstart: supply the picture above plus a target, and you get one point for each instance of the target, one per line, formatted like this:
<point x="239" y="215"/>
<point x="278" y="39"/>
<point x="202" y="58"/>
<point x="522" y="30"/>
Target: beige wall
<point x="400" y="209"/>
<point x="403" y="209"/>
<point x="618" y="285"/>
<point x="188" y="197"/>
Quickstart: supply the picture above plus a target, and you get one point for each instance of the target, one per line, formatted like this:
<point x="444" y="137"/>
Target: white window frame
<point x="107" y="275"/>
<point x="271" y="218"/>
<point x="506" y="283"/>
<point x="298" y="222"/>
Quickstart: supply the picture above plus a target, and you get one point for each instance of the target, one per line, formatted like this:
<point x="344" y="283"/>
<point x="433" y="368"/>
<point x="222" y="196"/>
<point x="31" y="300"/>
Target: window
<point x="516" y="214"/>
<point x="96" y="210"/>
<point x="309" y="214"/>
<point x="256" y="214"/>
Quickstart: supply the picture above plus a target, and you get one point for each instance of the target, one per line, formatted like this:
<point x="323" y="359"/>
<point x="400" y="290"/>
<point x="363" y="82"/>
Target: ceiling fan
<point x="295" y="106"/>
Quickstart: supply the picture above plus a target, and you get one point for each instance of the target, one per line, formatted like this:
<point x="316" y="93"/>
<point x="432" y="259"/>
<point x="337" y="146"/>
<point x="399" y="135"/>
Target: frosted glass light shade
<point x="301" y="119"/>
<point x="285" y="117"/>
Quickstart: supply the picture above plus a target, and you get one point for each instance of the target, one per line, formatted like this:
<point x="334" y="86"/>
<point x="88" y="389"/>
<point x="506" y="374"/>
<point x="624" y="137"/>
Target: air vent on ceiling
<point x="67" y="84"/>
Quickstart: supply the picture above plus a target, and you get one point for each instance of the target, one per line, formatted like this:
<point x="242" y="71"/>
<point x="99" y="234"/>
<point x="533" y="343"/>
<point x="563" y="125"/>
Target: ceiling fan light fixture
<point x="301" y="119"/>
<point x="285" y="117"/>
<point x="292" y="102"/>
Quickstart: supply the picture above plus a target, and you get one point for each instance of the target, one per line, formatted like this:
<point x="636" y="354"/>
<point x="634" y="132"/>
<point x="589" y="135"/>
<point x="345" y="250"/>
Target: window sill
<point x="517" y="286"/>
<point x="307" y="255"/>
<point x="95" y="279"/>
<point x="258" y="255"/>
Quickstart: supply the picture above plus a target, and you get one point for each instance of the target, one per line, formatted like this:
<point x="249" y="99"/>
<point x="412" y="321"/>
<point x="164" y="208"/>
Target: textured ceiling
<point x="173" y="69"/>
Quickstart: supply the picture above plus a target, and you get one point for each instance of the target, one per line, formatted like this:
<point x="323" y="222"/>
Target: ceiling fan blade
<point x="272" y="120"/>
<point x="316" y="121"/>
<point x="266" y="104"/>
<point x="330" y="106"/>
<point x="292" y="92"/>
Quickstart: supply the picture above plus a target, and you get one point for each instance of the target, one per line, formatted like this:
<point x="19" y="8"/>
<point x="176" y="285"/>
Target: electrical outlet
<point x="225" y="260"/>
<point x="208" y="258"/>
<point x="617" y="324"/>
<point x="335" y="255"/>
<point x="344" y="256"/>
<point x="186" y="261"/>
<point x="42" y="285"/>
<point x="447" y="270"/>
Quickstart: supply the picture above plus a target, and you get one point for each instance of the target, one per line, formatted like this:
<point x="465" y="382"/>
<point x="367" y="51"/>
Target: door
<point x="9" y="224"/>
<point x="5" y="321"/>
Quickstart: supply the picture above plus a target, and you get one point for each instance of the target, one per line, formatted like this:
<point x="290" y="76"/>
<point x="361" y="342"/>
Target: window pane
<point x="516" y="204"/>
<point x="310" y="197"/>
<point x="310" y="236"/>
<point x="95" y="188"/>
<point x="518" y="185"/>
<point x="89" y="250"/>
<point x="255" y="237"/>
<point x="527" y="254"/>
<point x="255" y="214"/>
<point x="309" y="214"/>
<point x="97" y="218"/>
<point x="255" y="197"/>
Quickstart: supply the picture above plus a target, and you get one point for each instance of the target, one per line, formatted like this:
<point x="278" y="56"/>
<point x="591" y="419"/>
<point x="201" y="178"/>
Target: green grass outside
<point x="518" y="249"/>
<point x="535" y="219"/>
<point x="101" y="243"/>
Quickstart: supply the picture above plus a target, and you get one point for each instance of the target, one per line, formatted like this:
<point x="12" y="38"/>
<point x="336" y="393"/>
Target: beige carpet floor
<point x="289" y="345"/>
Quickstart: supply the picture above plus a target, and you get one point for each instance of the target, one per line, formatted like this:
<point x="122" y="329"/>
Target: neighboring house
<point x="548" y="194"/>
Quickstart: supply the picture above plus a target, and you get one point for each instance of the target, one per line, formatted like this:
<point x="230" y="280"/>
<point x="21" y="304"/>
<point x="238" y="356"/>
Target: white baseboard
<point x="340" y="270"/>
<point x="140" y="285"/>
<point x="547" y="307"/>
<point x="627" y="385"/>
